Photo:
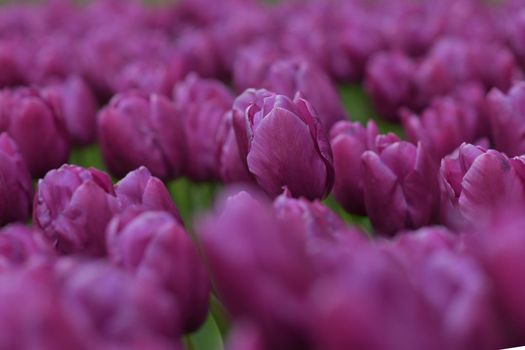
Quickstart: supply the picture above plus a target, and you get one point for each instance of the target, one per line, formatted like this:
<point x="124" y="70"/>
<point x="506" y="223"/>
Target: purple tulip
<point x="37" y="127"/>
<point x="12" y="53"/>
<point x="156" y="248"/>
<point x="19" y="244"/>
<point x="73" y="206"/>
<point x="231" y="167"/>
<point x="476" y="182"/>
<point x="292" y="76"/>
<point x="136" y="129"/>
<point x="16" y="190"/>
<point x="202" y="105"/>
<point x="448" y="122"/>
<point x="349" y="141"/>
<point x="244" y="336"/>
<point x="507" y="119"/>
<point x="199" y="53"/>
<point x="264" y="124"/>
<point x="389" y="82"/>
<point x="114" y="305"/>
<point x="79" y="108"/>
<point x="400" y="186"/>
<point x="141" y="190"/>
<point x="252" y="64"/>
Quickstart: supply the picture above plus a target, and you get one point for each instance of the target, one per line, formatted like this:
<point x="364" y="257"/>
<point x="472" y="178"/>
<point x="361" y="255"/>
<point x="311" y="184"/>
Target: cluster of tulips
<point x="329" y="233"/>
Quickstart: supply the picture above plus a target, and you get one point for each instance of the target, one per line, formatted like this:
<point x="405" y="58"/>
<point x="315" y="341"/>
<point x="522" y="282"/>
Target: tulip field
<point x="262" y="175"/>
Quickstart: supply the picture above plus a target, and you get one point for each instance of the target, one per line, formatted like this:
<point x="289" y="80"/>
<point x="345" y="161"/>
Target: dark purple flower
<point x="476" y="182"/>
<point x="37" y="126"/>
<point x="141" y="190"/>
<point x="292" y="76"/>
<point x="283" y="144"/>
<point x="400" y="185"/>
<point x="73" y="206"/>
<point x="448" y="122"/>
<point x="19" y="244"/>
<point x="79" y="108"/>
<point x="201" y="105"/>
<point x="156" y="248"/>
<point x="137" y="129"/>
<point x="16" y="189"/>
<point x="507" y="119"/>
<point x="349" y="141"/>
<point x="244" y="336"/>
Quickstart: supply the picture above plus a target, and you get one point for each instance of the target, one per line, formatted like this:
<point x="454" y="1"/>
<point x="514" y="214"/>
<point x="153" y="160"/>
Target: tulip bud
<point x="265" y="124"/>
<point x="507" y="119"/>
<point x="289" y="77"/>
<point x="72" y="206"/>
<point x="389" y="82"/>
<point x="113" y="304"/>
<point x="136" y="129"/>
<point x="36" y="125"/>
<point x="141" y="190"/>
<point x="448" y="122"/>
<point x="400" y="187"/>
<point x="19" y="244"/>
<point x="16" y="190"/>
<point x="202" y="105"/>
<point x="349" y="141"/>
<point x="79" y="108"/>
<point x="476" y="183"/>
<point x="156" y="248"/>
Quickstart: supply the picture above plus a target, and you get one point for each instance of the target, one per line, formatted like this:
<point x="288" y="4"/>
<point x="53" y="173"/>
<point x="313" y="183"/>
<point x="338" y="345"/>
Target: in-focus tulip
<point x="19" y="244"/>
<point x="400" y="184"/>
<point x="448" y="122"/>
<point x="283" y="144"/>
<point x="37" y="127"/>
<point x="79" y="108"/>
<point x="201" y="104"/>
<point x="156" y="248"/>
<point x="73" y="206"/>
<point x="139" y="189"/>
<point x="349" y="141"/>
<point x="16" y="191"/>
<point x="507" y="119"/>
<point x="476" y="182"/>
<point x="137" y="129"/>
<point x="292" y="76"/>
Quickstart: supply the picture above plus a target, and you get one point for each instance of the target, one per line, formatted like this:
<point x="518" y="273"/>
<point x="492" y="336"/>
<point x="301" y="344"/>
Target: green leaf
<point x="208" y="337"/>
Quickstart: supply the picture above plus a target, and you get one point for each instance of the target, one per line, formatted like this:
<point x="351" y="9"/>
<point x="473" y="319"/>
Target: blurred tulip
<point x="19" y="244"/>
<point x="156" y="248"/>
<point x="201" y="105"/>
<point x="37" y="126"/>
<point x="264" y="124"/>
<point x="507" y="119"/>
<point x="140" y="189"/>
<point x="73" y="206"/>
<point x="17" y="189"/>
<point x="400" y="186"/>
<point x="349" y="141"/>
<point x="79" y="108"/>
<point x="252" y="64"/>
<point x="137" y="129"/>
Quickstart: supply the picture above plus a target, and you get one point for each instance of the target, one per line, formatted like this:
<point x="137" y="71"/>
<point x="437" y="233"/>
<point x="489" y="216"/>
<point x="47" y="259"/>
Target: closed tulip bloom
<point x="201" y="104"/>
<point x="157" y="249"/>
<point x="19" y="244"/>
<point x="447" y="123"/>
<point x="291" y="76"/>
<point x="37" y="127"/>
<point x="137" y="129"/>
<point x="17" y="189"/>
<point x="79" y="108"/>
<point x="73" y="206"/>
<point x="283" y="144"/>
<point x="507" y="119"/>
<point x="140" y="189"/>
<point x="476" y="182"/>
<point x="400" y="187"/>
<point x="389" y="82"/>
<point x="349" y="141"/>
